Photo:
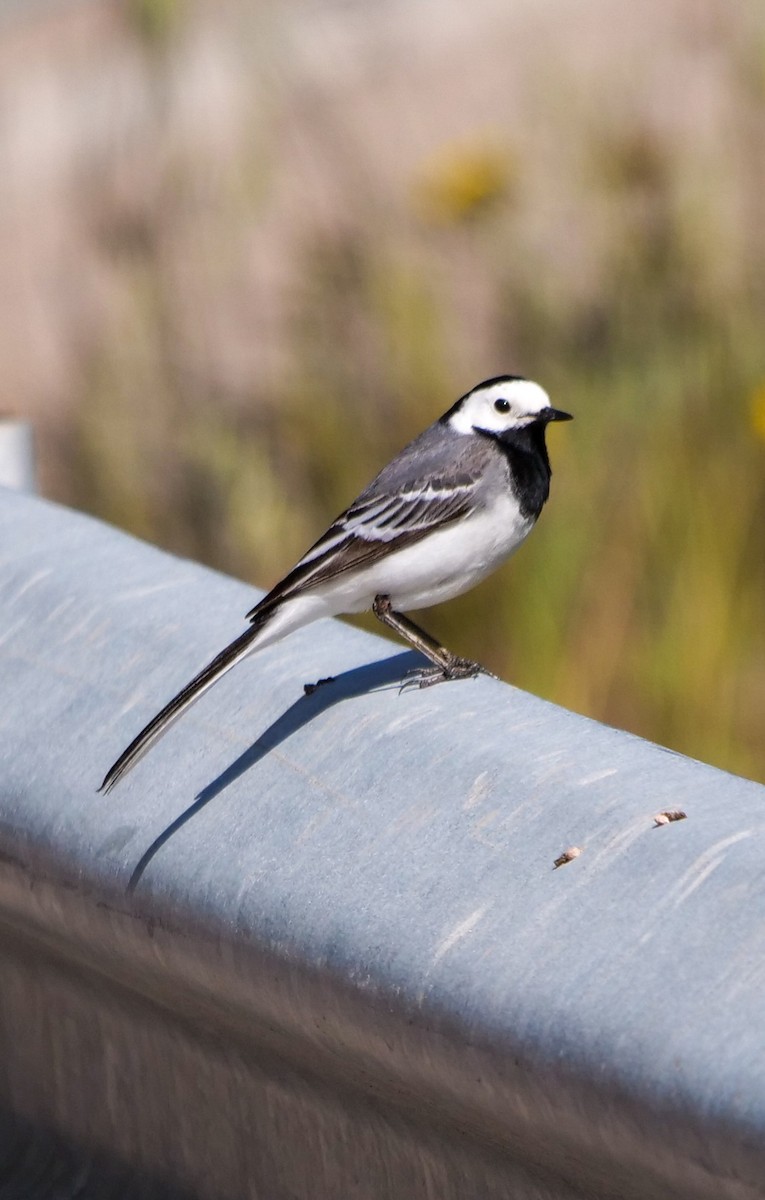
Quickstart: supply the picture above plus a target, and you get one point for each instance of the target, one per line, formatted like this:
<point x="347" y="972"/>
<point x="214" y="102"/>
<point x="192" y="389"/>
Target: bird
<point x="441" y="516"/>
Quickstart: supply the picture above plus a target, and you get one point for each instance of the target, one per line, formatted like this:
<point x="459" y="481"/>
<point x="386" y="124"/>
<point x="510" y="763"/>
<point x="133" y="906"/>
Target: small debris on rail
<point x="567" y="856"/>
<point x="670" y="814"/>
<point x="310" y="688"/>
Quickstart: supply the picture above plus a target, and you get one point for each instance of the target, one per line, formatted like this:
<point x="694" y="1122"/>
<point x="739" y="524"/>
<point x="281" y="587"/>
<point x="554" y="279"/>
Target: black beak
<point x="554" y="414"/>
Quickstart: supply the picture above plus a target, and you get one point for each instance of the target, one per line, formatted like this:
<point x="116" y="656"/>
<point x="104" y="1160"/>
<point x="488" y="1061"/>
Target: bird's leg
<point x="411" y="633"/>
<point x="446" y="665"/>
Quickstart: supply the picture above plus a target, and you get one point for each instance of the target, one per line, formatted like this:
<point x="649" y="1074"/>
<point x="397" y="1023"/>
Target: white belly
<point x="441" y="566"/>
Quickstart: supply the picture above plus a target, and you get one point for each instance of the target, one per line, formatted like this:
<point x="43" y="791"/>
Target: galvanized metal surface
<point x="346" y="967"/>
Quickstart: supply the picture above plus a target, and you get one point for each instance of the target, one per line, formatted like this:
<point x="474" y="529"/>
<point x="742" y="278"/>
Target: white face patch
<point x="500" y="406"/>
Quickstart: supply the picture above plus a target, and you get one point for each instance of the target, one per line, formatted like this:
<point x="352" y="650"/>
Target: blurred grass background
<point x="247" y="257"/>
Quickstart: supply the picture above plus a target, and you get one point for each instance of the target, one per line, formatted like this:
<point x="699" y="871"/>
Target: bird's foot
<point x="454" y="668"/>
<point x="310" y="688"/>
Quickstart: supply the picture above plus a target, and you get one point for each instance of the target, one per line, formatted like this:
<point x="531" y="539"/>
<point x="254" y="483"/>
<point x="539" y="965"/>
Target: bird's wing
<point x="377" y="524"/>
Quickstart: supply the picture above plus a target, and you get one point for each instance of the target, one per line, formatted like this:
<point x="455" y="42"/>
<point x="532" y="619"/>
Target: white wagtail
<point x="453" y="505"/>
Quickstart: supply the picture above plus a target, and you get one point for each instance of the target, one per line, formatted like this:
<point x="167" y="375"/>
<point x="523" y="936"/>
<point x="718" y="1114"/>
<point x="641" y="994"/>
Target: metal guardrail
<point x="347" y="967"/>
<point x="17" y="456"/>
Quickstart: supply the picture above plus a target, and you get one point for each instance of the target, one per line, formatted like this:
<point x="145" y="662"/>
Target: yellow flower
<point x="757" y="412"/>
<point x="155" y="20"/>
<point x="461" y="180"/>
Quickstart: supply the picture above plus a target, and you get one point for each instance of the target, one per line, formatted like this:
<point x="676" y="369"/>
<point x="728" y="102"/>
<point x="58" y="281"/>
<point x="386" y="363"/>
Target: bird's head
<point x="503" y="406"/>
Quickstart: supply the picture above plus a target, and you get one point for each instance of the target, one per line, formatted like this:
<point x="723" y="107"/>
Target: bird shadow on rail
<point x="384" y="675"/>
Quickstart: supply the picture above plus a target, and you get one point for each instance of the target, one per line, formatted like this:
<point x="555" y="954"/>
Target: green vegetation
<point x="155" y="20"/>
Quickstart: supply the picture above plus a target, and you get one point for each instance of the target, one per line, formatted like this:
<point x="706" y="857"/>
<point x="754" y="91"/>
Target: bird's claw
<point x="455" y="668"/>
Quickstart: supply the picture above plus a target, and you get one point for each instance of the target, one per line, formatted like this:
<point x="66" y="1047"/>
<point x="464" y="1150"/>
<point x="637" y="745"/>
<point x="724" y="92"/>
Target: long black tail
<point x="186" y="697"/>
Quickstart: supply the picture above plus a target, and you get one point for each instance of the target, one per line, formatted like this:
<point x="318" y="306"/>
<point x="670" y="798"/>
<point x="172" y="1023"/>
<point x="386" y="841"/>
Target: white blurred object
<point x="17" y="458"/>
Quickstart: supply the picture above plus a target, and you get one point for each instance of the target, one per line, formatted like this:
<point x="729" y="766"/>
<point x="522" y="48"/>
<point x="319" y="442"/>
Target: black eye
<point x="502" y="405"/>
